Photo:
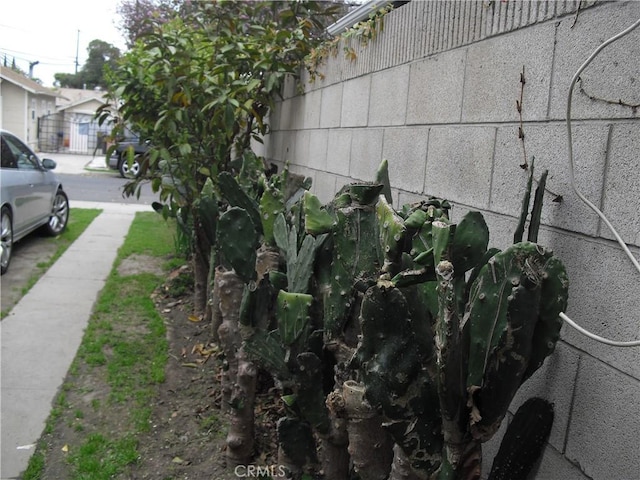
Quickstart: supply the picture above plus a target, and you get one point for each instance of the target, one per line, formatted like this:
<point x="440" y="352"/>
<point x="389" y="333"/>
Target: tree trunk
<point x="370" y="445"/>
<point x="200" y="274"/>
<point x="214" y="303"/>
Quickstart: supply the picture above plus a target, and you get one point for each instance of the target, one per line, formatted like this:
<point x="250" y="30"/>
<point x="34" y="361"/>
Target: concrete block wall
<point x="435" y="94"/>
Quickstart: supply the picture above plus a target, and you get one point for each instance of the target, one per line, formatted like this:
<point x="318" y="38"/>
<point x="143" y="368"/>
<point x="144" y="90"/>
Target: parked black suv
<point x="119" y="158"/>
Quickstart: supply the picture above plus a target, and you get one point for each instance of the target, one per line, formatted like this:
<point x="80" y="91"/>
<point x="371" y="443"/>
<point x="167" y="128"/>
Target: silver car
<point x="32" y="196"/>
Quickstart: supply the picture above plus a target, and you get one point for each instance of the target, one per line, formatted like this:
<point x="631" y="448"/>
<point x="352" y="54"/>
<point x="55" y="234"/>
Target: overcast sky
<point x="47" y="31"/>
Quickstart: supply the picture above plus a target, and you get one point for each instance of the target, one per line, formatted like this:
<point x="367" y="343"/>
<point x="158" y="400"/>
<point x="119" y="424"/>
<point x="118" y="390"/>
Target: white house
<point x="22" y="103"/>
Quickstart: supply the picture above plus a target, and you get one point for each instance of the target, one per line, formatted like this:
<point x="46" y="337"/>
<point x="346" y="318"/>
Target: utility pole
<point x="77" y="49"/>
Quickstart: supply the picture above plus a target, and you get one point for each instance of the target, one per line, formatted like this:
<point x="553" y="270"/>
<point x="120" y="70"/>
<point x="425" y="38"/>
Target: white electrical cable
<point x="626" y="250"/>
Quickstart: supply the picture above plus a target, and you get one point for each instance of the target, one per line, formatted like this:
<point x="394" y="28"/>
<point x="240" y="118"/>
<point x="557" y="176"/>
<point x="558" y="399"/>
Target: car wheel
<point x="6" y="240"/>
<point x="59" y="214"/>
<point x="130" y="172"/>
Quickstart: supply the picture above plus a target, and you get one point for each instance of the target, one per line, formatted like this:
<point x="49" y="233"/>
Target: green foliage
<point x="198" y="85"/>
<point x="102" y="56"/>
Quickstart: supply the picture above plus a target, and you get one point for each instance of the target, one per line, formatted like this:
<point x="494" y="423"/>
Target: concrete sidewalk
<point x="41" y="335"/>
<point x="76" y="163"/>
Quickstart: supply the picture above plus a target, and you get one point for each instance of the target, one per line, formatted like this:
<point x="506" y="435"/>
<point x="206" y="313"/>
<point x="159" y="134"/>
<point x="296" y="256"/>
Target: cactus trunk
<point x="229" y="288"/>
<point x="401" y="467"/>
<point x="335" y="442"/>
<point x="240" y="437"/>
<point x="296" y="446"/>
<point x="239" y="374"/>
<point x="370" y="446"/>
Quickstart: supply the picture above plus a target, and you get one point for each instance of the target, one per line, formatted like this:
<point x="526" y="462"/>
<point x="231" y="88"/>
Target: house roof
<point x="81" y="101"/>
<point x="67" y="96"/>
<point x="27" y="84"/>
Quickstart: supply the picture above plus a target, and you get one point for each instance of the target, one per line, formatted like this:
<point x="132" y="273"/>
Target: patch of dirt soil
<point x="186" y="439"/>
<point x="137" y="263"/>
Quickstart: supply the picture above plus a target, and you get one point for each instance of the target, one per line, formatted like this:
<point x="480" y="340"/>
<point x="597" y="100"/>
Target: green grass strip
<point x="125" y="344"/>
<point x="79" y="220"/>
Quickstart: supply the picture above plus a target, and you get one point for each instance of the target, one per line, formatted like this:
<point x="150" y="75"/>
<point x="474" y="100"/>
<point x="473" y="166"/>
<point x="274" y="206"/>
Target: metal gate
<point x="73" y="133"/>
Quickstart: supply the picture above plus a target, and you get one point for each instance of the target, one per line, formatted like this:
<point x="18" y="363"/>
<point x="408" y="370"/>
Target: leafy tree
<point x="199" y="87"/>
<point x="100" y="54"/>
<point x="138" y="17"/>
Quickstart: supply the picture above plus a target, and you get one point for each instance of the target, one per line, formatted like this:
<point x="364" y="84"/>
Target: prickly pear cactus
<point x="208" y="210"/>
<point x="391" y="360"/>
<point x="233" y="193"/>
<point x="505" y="305"/>
<point x="392" y="234"/>
<point x="299" y="260"/>
<point x="271" y="205"/>
<point x="316" y="219"/>
<point x="293" y="315"/>
<point x="470" y="242"/>
<point x="356" y="254"/>
<point x="238" y="241"/>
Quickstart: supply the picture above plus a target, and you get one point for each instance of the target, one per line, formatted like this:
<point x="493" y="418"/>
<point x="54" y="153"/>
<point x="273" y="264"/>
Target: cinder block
<point x="551" y="466"/>
<point x="435" y="88"/>
<point x="548" y="144"/>
<point x="492" y="78"/>
<point x="405" y="197"/>
<point x="406" y="151"/>
<point x="274" y="149"/>
<point x="312" y="107"/>
<point x="261" y="149"/>
<point x="554" y="466"/>
<point x="554" y="381"/>
<point x="273" y="119"/>
<point x="604" y="297"/>
<point x="290" y="86"/>
<point x="318" y="143"/>
<point x="331" y="106"/>
<point x="300" y="154"/>
<point x="459" y="164"/>
<point x="366" y="153"/>
<point x="324" y="186"/>
<point x="490" y="448"/>
<point x="292" y="113"/>
<point x="613" y="74"/>
<point x="603" y="437"/>
<point x="286" y="147"/>
<point x="388" y="101"/>
<point x="285" y="113"/>
<point x="355" y="102"/>
<point x="622" y="188"/>
<point x="339" y="151"/>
